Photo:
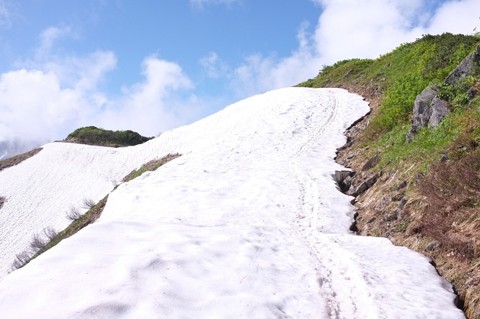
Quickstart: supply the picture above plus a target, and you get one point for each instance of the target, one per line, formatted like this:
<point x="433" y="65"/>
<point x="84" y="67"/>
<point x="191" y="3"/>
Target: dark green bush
<point x="96" y="136"/>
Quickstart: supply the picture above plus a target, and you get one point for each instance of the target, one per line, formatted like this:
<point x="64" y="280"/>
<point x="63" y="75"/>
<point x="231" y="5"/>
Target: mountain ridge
<point x="389" y="207"/>
<point x="246" y="223"/>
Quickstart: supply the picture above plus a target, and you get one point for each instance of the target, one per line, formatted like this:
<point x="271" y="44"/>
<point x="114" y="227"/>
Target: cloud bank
<point x="54" y="94"/>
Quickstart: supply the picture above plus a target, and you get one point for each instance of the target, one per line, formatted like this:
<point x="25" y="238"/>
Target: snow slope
<point x="248" y="223"/>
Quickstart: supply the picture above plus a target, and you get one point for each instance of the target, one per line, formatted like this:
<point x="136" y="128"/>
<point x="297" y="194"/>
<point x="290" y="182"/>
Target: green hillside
<point x="97" y="136"/>
<point x="427" y="194"/>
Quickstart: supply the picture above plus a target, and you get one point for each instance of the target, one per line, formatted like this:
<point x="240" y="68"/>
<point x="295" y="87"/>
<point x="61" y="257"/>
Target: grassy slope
<point x="440" y="211"/>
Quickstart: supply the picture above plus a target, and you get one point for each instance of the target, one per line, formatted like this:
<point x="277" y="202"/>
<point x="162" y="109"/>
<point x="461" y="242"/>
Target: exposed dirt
<point x="412" y="211"/>
<point x="17" y="159"/>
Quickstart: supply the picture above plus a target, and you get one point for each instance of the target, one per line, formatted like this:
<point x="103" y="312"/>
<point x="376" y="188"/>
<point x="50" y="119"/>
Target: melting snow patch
<point x="248" y="223"/>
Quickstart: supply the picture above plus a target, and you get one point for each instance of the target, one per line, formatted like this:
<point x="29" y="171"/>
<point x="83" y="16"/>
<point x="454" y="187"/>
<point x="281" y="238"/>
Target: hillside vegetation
<point x="427" y="190"/>
<point x="92" y="135"/>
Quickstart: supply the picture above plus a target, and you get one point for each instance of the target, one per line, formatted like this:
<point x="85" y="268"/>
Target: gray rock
<point x="347" y="182"/>
<point x="468" y="67"/>
<point x="439" y="109"/>
<point x="359" y="189"/>
<point x="2" y="201"/>
<point x="363" y="186"/>
<point x="433" y="245"/>
<point x="371" y="180"/>
<point x="428" y="110"/>
<point x="340" y="176"/>
<point x="344" y="179"/>
<point x="422" y="110"/>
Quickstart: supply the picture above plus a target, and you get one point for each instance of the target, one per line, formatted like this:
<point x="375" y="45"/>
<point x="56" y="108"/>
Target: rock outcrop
<point x="354" y="184"/>
<point x="468" y="67"/>
<point x="429" y="109"/>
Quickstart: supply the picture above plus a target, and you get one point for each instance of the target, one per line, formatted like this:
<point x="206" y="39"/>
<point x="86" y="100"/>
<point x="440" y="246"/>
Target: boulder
<point x="428" y="110"/>
<point x="422" y="110"/>
<point x="343" y="179"/>
<point x="468" y="67"/>
<point x="362" y="185"/>
<point x="440" y="109"/>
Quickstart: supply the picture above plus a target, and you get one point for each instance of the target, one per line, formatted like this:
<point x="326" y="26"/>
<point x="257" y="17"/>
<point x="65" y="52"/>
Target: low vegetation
<point x="150" y="166"/>
<point x="428" y="190"/>
<point x="92" y="135"/>
<point x="39" y="244"/>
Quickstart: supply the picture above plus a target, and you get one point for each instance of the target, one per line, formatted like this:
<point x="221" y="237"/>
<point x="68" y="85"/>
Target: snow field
<point x="248" y="223"/>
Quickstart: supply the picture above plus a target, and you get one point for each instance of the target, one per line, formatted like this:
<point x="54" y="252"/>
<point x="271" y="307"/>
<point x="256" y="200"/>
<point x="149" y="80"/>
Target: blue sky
<point x="179" y="31"/>
<point x="153" y="65"/>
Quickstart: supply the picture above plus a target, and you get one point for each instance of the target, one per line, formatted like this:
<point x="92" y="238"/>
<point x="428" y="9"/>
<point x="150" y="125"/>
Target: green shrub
<point x="96" y="136"/>
<point x="456" y="93"/>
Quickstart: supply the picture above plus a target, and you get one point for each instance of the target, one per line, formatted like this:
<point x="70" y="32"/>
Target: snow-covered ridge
<point x="248" y="223"/>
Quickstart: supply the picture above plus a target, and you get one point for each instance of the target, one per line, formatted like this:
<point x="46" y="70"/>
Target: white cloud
<point x="45" y="98"/>
<point x="35" y="107"/>
<point x="48" y="37"/>
<point x="259" y="73"/>
<point x="213" y="66"/>
<point x="54" y="94"/>
<point x="152" y="105"/>
<point x="457" y="17"/>
<point x="81" y="72"/>
<point x="36" y="104"/>
<point x="348" y="29"/>
<point x="355" y="29"/>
